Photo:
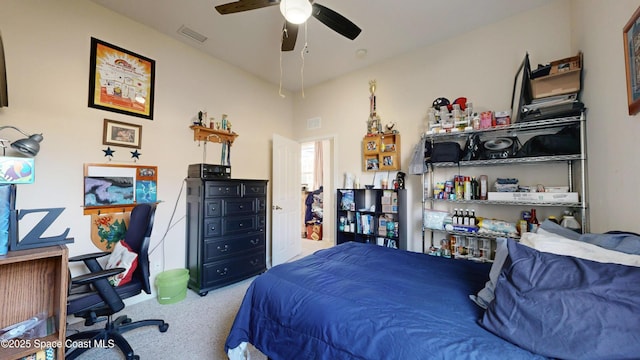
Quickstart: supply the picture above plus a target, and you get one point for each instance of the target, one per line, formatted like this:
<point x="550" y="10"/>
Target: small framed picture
<point x="119" y="133"/>
<point x="372" y="164"/>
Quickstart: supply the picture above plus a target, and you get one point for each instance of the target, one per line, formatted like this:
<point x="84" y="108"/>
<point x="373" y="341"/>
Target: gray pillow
<point x="485" y="296"/>
<point x="625" y="242"/>
<point x="554" y="228"/>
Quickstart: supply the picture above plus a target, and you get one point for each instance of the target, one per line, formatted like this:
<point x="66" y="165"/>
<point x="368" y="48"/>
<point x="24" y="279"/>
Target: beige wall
<point x="47" y="54"/>
<point x="613" y="134"/>
<point x="479" y="65"/>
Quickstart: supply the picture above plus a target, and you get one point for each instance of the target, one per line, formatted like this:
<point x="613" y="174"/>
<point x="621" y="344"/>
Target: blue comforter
<point x="360" y="301"/>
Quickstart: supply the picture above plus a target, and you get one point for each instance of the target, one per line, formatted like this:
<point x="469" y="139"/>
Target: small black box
<point x="209" y="171"/>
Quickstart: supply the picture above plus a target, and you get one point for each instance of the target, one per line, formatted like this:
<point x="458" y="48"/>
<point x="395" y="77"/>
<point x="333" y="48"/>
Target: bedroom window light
<point x="307" y="156"/>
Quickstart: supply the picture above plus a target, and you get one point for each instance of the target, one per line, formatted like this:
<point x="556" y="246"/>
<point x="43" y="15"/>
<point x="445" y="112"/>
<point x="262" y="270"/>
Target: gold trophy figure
<point x="373" y="124"/>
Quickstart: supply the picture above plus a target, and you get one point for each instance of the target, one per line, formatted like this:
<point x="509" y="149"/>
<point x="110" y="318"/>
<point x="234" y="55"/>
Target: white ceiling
<point x="251" y="39"/>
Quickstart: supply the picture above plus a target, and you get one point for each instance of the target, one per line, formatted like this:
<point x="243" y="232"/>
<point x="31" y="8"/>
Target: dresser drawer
<point x="222" y="189"/>
<point x="222" y="226"/>
<point x="253" y="189"/>
<point x="231" y="207"/>
<point x="212" y="227"/>
<point x="232" y="246"/>
<point x="239" y="224"/>
<point x="213" y="208"/>
<point x="226" y="271"/>
<point x="239" y="206"/>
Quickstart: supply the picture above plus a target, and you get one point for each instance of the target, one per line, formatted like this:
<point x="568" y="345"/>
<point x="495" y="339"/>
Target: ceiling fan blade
<point x="335" y="21"/>
<point x="244" y="5"/>
<point x="289" y="36"/>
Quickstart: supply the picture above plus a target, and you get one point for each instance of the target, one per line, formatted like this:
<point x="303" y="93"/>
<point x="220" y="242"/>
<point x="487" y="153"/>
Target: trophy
<point x="374" y="125"/>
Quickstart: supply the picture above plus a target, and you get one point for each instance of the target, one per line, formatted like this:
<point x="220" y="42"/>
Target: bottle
<point x="465" y="219"/>
<point x="467" y="188"/>
<point x="459" y="187"/>
<point x="476" y="121"/>
<point x="472" y="218"/>
<point x="454" y="218"/>
<point x="484" y="187"/>
<point x="533" y="223"/>
<point x="475" y="194"/>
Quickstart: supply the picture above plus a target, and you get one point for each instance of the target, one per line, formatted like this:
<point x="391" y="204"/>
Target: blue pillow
<point x="625" y="242"/>
<point x="566" y="307"/>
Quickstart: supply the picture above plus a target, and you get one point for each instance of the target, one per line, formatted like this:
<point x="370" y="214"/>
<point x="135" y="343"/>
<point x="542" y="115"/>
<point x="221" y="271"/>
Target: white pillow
<point x="548" y="242"/>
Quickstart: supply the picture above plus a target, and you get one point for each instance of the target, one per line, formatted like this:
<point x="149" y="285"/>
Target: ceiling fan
<point x="330" y="18"/>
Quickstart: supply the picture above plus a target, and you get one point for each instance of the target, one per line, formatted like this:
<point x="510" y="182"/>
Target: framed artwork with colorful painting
<point x="120" y="80"/>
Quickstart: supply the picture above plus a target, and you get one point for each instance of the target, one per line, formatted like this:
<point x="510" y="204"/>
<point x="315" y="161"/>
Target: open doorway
<point x="316" y="174"/>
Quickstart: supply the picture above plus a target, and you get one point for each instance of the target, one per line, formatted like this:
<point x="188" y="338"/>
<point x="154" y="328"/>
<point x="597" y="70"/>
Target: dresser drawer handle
<point x="224" y="248"/>
<point x="222" y="272"/>
<point x="254" y="262"/>
<point x="213" y="227"/>
<point x="255" y="241"/>
<point x="241" y="207"/>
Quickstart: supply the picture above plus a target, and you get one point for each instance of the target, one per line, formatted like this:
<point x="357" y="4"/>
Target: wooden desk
<point x="34" y="281"/>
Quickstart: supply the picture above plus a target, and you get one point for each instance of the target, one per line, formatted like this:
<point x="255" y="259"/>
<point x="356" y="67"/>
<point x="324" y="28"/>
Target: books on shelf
<point x="347" y="201"/>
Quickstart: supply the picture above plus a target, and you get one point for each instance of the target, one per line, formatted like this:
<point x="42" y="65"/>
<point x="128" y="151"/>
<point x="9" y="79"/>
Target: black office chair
<point x="105" y="300"/>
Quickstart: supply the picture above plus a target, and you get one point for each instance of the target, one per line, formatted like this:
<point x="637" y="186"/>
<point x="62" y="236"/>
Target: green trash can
<point x="172" y="285"/>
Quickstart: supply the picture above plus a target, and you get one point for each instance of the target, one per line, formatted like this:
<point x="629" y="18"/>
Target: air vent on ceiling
<point x="192" y="34"/>
<point x="314" y="123"/>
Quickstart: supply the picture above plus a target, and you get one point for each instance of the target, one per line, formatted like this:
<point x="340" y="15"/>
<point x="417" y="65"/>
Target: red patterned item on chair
<point x="122" y="257"/>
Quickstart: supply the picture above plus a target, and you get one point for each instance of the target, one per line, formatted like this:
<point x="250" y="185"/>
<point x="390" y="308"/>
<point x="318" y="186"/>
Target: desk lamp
<point x="28" y="146"/>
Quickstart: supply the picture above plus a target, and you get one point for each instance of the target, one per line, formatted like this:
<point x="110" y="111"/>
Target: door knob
<point x="276" y="207"/>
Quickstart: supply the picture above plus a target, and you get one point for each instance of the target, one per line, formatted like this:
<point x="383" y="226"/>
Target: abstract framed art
<point x="631" y="36"/>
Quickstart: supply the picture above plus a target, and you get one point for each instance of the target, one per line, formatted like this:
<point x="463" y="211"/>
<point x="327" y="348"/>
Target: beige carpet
<point x="198" y="326"/>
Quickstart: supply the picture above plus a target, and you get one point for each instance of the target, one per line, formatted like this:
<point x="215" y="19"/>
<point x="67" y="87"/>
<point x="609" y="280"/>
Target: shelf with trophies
<point x="380" y="149"/>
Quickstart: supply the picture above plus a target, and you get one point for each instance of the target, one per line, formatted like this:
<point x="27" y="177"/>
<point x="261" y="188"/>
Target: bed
<point x="361" y="301"/>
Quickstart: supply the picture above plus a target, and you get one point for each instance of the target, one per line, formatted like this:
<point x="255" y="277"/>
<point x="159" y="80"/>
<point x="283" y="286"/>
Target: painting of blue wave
<point x="108" y="191"/>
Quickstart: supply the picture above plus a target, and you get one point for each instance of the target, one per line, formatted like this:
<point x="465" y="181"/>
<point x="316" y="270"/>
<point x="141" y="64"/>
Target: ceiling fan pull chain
<point x="284" y="31"/>
<point x="305" y="49"/>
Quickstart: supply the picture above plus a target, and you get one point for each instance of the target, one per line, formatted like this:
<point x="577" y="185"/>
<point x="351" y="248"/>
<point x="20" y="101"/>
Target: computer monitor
<point x="521" y="95"/>
<point x="4" y="100"/>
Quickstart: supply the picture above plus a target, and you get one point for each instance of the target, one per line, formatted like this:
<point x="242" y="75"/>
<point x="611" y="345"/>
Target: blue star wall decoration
<point x="135" y="154"/>
<point x="108" y="152"/>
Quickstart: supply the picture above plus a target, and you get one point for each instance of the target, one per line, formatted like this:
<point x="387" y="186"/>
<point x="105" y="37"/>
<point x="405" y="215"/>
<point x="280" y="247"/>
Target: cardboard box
<point x="390" y="208"/>
<point x="563" y="78"/>
<point x="314" y="232"/>
<point x="569" y="197"/>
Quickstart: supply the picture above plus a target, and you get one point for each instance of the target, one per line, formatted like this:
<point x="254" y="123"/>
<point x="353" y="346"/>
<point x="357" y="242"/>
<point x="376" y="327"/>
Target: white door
<point x="286" y="204"/>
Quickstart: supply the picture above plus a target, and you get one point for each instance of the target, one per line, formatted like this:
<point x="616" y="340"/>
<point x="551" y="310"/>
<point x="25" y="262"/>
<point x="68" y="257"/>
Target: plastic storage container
<point x="172" y="285"/>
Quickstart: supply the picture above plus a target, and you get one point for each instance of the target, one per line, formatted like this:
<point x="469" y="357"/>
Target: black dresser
<point x="226" y="231"/>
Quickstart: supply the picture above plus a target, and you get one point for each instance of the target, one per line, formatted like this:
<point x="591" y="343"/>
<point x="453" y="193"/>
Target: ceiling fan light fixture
<point x="295" y="11"/>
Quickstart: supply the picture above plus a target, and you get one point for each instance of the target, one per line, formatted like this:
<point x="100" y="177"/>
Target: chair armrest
<point x="94" y="276"/>
<point x="89" y="256"/>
